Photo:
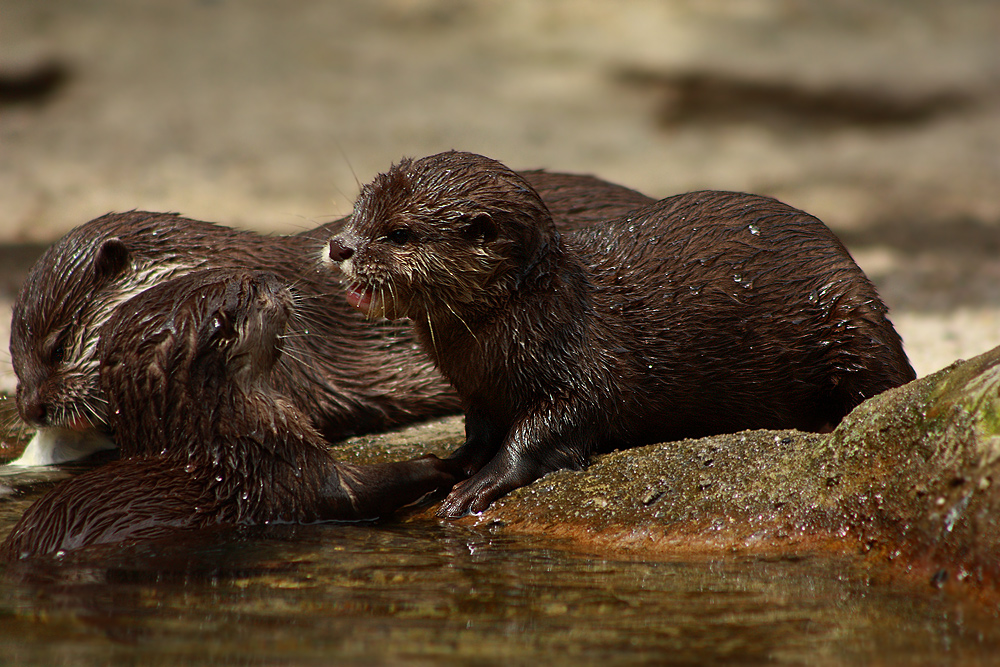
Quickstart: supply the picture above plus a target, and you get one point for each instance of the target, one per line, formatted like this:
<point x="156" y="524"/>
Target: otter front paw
<point x="474" y="495"/>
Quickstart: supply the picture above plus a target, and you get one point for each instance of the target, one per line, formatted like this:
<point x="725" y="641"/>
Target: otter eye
<point x="58" y="353"/>
<point x="399" y="236"/>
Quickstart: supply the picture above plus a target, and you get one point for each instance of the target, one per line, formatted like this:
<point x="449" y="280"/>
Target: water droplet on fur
<point x="754" y="229"/>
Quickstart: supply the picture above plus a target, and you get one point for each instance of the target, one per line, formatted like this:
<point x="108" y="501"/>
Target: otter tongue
<point x="360" y="296"/>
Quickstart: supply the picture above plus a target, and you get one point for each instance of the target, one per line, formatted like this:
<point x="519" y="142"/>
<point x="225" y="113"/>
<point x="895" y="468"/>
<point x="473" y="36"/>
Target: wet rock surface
<point x="906" y="481"/>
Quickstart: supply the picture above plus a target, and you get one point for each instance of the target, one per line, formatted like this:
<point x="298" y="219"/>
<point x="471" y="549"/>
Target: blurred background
<point x="882" y="118"/>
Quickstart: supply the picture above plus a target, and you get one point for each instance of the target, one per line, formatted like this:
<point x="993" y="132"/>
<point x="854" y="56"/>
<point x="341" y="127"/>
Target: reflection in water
<point x="416" y="592"/>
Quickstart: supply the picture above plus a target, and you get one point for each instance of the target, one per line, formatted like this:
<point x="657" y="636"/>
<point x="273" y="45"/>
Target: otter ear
<point x="480" y="227"/>
<point x="112" y="258"/>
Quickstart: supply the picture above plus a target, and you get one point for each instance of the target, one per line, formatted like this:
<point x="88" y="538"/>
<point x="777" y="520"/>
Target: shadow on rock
<point x="37" y="84"/>
<point x="706" y="98"/>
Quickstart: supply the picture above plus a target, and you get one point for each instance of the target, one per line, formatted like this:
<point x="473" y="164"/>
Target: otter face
<point x="66" y="299"/>
<point x="438" y="235"/>
<point x="68" y="294"/>
<point x="415" y="266"/>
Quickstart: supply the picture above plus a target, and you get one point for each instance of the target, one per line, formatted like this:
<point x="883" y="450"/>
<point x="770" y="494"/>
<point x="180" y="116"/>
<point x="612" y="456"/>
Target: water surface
<point x="424" y="592"/>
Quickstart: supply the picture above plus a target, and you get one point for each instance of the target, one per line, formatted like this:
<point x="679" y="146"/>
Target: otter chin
<point x="207" y="438"/>
<point x="703" y="313"/>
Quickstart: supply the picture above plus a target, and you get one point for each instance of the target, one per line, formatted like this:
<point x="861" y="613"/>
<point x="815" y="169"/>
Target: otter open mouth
<point x="362" y="297"/>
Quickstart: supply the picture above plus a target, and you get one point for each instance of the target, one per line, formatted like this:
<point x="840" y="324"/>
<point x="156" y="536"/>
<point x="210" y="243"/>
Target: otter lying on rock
<point x="703" y="313"/>
<point x="206" y="436"/>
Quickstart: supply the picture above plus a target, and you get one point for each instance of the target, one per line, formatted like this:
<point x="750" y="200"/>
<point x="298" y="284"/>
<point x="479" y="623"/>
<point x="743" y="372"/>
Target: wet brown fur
<point x="348" y="375"/>
<point x="206" y="438"/>
<point x="703" y="313"/>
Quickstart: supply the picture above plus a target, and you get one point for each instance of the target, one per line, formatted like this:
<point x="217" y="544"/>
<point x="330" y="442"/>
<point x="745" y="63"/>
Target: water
<point x="429" y="593"/>
<point x="424" y="592"/>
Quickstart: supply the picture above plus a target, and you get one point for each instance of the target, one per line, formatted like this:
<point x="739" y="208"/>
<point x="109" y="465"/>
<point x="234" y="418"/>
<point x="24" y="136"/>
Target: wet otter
<point x="703" y="313"/>
<point x="355" y="378"/>
<point x="206" y="438"/>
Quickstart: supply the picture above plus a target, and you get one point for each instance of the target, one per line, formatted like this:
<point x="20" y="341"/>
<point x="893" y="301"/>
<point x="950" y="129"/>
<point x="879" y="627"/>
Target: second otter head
<point x="440" y="233"/>
<point x="185" y="347"/>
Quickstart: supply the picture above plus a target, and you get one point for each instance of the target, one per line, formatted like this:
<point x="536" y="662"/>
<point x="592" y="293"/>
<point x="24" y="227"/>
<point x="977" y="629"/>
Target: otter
<point x="206" y="438"/>
<point x="703" y="313"/>
<point x="354" y="379"/>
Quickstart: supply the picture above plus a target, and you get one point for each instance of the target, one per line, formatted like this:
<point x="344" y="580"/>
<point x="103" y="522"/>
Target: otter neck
<point x="548" y="274"/>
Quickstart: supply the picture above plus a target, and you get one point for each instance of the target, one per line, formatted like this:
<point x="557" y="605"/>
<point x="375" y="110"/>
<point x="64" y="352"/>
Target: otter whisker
<point x="13" y="422"/>
<point x="305" y="298"/>
<point x="392" y="294"/>
<point x="296" y="335"/>
<point x="430" y="329"/>
<point x="89" y="412"/>
<point x="287" y="353"/>
<point x="310" y="319"/>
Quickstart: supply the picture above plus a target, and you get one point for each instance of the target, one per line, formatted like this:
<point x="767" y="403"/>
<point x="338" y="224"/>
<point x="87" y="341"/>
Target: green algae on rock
<point x="925" y="457"/>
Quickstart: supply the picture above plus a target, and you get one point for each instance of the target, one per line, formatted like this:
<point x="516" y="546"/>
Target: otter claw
<point x="469" y="497"/>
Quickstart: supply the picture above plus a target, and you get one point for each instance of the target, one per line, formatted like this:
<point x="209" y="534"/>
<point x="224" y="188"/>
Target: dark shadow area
<point x="961" y="238"/>
<point x="718" y="98"/>
<point x="34" y="85"/>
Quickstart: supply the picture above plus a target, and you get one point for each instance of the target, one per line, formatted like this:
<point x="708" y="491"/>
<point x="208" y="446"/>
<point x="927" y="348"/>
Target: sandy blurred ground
<point x="881" y="118"/>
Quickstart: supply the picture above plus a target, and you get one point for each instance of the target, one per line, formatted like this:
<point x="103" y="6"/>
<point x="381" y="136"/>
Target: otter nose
<point x="33" y="412"/>
<point x="339" y="251"/>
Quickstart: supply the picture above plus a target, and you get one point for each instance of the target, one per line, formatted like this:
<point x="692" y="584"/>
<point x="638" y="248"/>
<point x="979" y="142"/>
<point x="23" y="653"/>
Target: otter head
<point x="68" y="295"/>
<point x="52" y="338"/>
<point x="179" y="358"/>
<point x="440" y="234"/>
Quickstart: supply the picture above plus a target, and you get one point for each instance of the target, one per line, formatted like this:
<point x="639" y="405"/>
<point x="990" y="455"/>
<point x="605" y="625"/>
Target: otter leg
<point x="482" y="441"/>
<point x="379" y="489"/>
<point x="536" y="446"/>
